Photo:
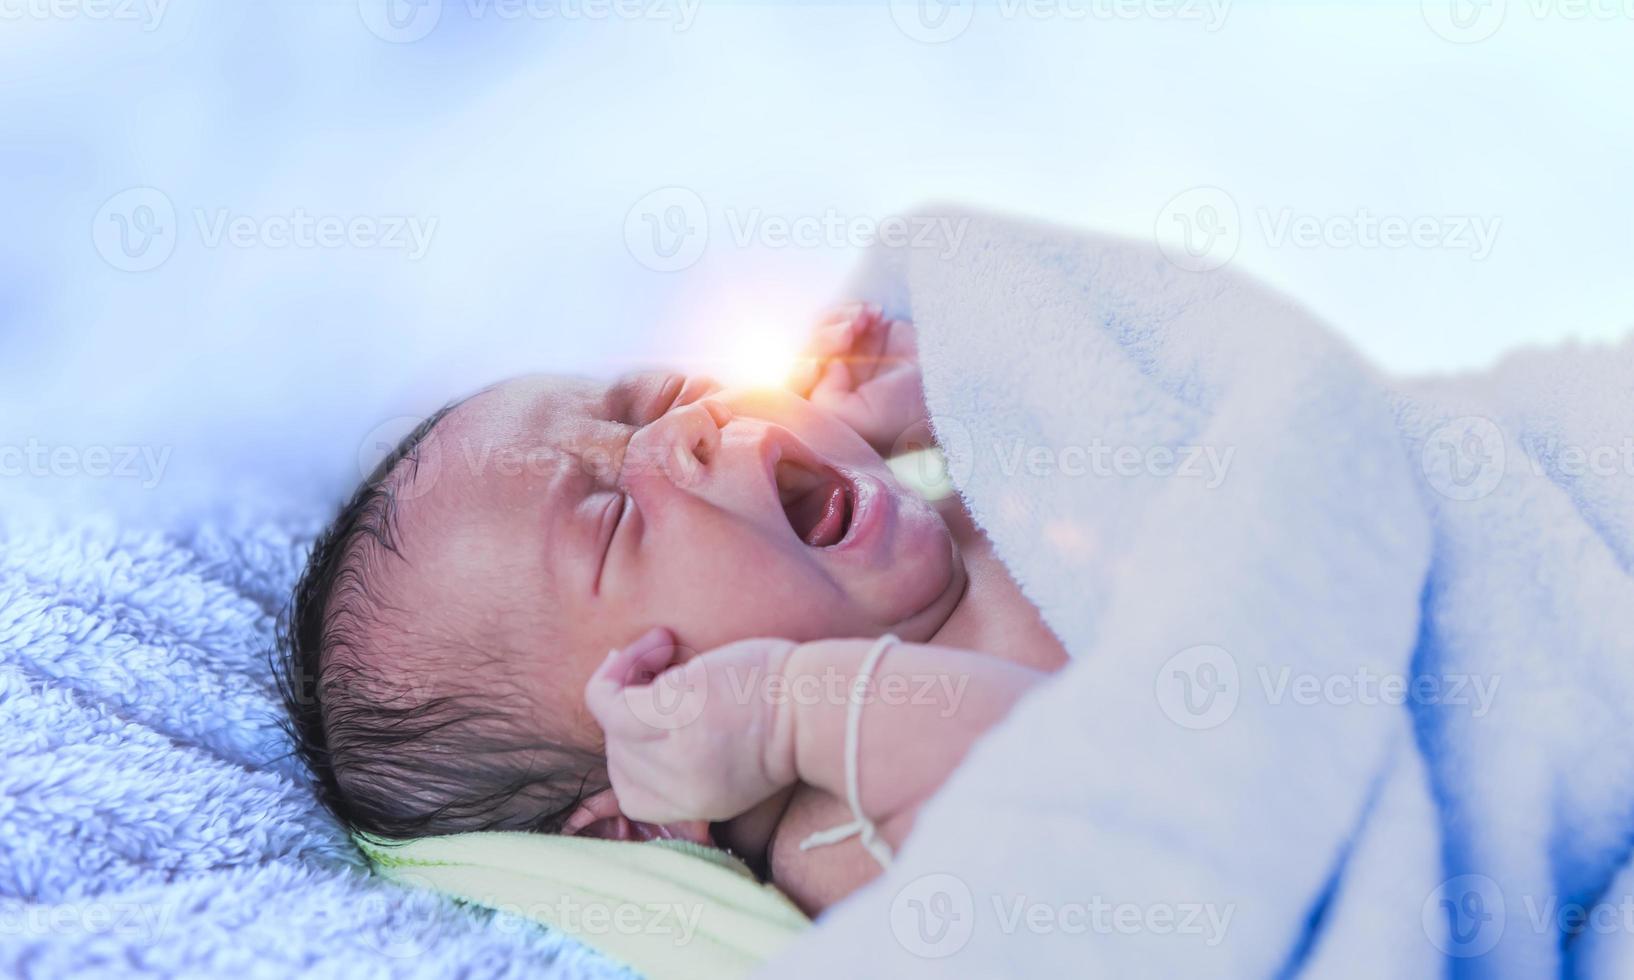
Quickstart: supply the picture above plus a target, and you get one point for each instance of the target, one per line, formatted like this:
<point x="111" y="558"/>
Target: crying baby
<point x="446" y="653"/>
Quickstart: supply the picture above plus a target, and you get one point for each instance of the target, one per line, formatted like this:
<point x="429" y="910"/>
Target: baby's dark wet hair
<point x="406" y="760"/>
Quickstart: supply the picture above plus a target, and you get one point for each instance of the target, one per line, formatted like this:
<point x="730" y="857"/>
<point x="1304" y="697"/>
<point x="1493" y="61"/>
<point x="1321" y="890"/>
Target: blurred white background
<point x="349" y="212"/>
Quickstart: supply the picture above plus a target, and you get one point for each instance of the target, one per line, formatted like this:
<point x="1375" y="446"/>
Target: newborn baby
<point x="446" y="655"/>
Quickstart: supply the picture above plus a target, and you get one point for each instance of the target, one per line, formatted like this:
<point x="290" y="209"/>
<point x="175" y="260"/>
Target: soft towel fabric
<point x="152" y="822"/>
<point x="1247" y="539"/>
<point x="672" y="910"/>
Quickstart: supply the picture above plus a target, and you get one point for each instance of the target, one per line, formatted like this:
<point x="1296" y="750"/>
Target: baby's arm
<point x="923" y="710"/>
<point x="710" y="736"/>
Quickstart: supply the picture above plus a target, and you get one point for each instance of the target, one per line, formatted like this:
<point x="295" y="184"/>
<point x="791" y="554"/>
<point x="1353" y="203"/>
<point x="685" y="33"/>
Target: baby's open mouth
<point x="818" y="502"/>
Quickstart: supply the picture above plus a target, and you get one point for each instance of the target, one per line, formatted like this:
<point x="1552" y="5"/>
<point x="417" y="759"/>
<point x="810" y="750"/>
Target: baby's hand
<point x="864" y="368"/>
<point x="696" y="738"/>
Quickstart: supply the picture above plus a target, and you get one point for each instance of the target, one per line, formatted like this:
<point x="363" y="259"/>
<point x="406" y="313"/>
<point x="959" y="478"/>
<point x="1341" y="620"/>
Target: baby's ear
<point x="599" y="816"/>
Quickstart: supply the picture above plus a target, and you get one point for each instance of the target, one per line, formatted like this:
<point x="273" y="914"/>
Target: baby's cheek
<point x="556" y="706"/>
<point x="754" y="591"/>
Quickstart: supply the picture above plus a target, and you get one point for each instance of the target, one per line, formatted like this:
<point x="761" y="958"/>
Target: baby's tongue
<point x="824" y="508"/>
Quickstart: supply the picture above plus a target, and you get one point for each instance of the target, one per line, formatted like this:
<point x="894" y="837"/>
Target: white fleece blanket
<point x="1353" y="679"/>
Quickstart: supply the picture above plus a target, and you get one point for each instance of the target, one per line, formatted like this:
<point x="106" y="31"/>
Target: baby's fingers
<point x="834" y="337"/>
<point x="626" y="671"/>
<point x="675" y="699"/>
<point x="835" y="383"/>
<point x="868" y="346"/>
<point x="804" y="376"/>
<point x="838" y="330"/>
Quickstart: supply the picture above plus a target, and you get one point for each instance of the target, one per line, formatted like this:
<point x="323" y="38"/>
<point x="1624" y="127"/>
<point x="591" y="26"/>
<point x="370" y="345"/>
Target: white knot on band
<point x="860" y="826"/>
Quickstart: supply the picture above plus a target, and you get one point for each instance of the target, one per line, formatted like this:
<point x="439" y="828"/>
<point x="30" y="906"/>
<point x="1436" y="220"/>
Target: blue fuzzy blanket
<point x="151" y="822"/>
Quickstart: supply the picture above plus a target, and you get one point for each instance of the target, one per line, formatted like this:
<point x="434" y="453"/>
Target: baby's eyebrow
<point x="597" y="454"/>
<point x="633" y="391"/>
<point x="618" y="399"/>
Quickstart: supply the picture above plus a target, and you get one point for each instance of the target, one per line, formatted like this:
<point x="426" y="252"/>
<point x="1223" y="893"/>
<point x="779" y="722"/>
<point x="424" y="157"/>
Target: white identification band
<point x="860" y="826"/>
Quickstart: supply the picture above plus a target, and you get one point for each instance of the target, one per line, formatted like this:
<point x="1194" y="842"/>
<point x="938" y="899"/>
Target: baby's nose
<point x="681" y="445"/>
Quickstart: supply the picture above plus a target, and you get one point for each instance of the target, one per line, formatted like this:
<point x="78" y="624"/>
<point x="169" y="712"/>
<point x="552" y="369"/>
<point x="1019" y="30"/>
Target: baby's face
<point x="561" y="518"/>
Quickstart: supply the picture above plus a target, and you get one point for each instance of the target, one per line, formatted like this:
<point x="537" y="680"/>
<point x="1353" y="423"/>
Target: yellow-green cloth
<point x="668" y="909"/>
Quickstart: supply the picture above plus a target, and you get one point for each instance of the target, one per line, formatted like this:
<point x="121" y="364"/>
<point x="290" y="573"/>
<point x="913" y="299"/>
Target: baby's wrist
<point x="816" y="725"/>
<point x="779" y="752"/>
